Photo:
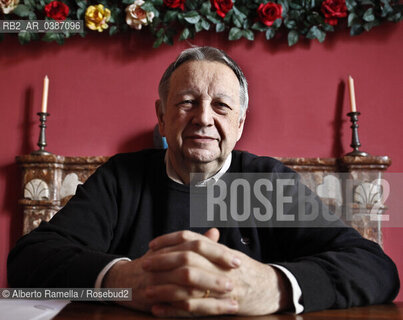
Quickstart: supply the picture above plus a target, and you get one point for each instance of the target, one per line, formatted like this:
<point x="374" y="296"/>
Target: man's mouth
<point x="201" y="138"/>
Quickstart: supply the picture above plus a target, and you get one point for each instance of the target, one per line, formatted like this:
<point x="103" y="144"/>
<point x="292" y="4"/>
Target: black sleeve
<point x="334" y="265"/>
<point x="70" y="250"/>
<point x="341" y="270"/>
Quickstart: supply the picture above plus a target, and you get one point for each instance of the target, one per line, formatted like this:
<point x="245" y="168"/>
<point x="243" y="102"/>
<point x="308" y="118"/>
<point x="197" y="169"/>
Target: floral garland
<point x="166" y="19"/>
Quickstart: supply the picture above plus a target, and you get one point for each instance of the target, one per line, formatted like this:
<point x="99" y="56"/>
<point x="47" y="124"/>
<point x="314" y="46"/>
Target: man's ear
<point x="240" y="126"/>
<point x="160" y="116"/>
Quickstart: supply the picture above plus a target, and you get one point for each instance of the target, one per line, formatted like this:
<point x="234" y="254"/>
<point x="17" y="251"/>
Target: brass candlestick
<point x="355" y="141"/>
<point x="42" y="135"/>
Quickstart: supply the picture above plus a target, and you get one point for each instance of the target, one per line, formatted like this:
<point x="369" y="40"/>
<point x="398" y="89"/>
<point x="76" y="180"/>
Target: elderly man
<point x="128" y="225"/>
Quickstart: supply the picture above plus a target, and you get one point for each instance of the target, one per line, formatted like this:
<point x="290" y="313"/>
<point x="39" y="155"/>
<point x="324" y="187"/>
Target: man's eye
<point x="186" y="103"/>
<point x="223" y="105"/>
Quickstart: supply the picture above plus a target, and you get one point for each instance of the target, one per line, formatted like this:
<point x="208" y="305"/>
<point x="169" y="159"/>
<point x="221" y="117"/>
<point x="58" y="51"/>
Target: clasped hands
<point x="186" y="274"/>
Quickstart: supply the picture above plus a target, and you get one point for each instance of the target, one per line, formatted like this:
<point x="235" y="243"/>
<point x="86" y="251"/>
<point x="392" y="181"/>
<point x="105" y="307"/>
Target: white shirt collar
<point x="174" y="176"/>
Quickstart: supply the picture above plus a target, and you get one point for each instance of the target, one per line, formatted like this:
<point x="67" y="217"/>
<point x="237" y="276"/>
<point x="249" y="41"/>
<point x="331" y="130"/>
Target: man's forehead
<point x="192" y="72"/>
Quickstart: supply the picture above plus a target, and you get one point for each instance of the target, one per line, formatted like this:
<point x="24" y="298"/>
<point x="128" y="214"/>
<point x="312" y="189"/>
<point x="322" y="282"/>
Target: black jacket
<point x="130" y="200"/>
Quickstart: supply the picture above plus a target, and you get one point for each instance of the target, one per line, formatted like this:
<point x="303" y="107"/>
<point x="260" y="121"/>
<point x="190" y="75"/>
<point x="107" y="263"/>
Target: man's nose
<point x="203" y="115"/>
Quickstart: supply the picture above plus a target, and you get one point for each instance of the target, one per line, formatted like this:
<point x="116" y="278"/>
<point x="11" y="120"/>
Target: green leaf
<point x="368" y="26"/>
<point x="83" y="4"/>
<point x="386" y="8"/>
<point x="185" y="34"/>
<point x="191" y="4"/>
<point x="170" y="15"/>
<point x="277" y="23"/>
<point x="316" y="33"/>
<point x="213" y="18"/>
<point x="270" y="33"/>
<point x="113" y="30"/>
<point x="158" y="42"/>
<point x="192" y="17"/>
<point x="49" y="37"/>
<point x="248" y="34"/>
<point x="290" y="24"/>
<point x="259" y="26"/>
<point x="284" y="4"/>
<point x="30" y="3"/>
<point x="60" y="38"/>
<point x="312" y="4"/>
<point x="228" y="17"/>
<point x="160" y="33"/>
<point x="314" y="18"/>
<point x="293" y="38"/>
<point x="220" y="27"/>
<point x="294" y="5"/>
<point x="80" y="12"/>
<point x="351" y="4"/>
<point x="238" y="17"/>
<point x="40" y="5"/>
<point x="180" y="18"/>
<point x="205" y="8"/>
<point x="327" y="27"/>
<point x="24" y="37"/>
<point x="235" y="33"/>
<point x="126" y="1"/>
<point x="295" y="15"/>
<point x="356" y="29"/>
<point x="158" y="3"/>
<point x="396" y="17"/>
<point x="369" y="15"/>
<point x="149" y="7"/>
<point x="198" y="26"/>
<point x="168" y="40"/>
<point x="205" y="25"/>
<point x="352" y="17"/>
<point x="22" y="11"/>
<point x="246" y="24"/>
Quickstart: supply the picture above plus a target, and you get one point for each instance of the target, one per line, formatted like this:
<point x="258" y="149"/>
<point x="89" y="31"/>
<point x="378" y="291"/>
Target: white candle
<point x="352" y="94"/>
<point x="45" y="94"/>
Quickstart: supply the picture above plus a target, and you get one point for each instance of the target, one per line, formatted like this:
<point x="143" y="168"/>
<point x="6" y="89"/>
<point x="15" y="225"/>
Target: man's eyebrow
<point x="196" y="92"/>
<point x="187" y="91"/>
<point x="225" y="96"/>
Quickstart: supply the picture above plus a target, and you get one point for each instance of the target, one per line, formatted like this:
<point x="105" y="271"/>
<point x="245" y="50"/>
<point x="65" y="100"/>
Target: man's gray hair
<point x="205" y="54"/>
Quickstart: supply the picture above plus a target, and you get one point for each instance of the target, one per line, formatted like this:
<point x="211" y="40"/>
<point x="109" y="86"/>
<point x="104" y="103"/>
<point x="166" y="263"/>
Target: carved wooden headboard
<point x="49" y="181"/>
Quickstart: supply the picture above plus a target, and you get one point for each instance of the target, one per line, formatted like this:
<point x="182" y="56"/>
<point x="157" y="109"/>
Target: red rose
<point x="334" y="9"/>
<point x="269" y="12"/>
<point x="222" y="6"/>
<point x="175" y="4"/>
<point x="57" y="10"/>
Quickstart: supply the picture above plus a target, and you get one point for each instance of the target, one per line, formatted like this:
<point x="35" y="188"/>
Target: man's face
<point x="202" y="120"/>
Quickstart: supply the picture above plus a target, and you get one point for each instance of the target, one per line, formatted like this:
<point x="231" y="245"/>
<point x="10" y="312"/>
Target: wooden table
<point x="92" y="311"/>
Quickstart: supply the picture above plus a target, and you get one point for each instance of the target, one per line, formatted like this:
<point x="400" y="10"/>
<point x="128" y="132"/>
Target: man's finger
<point x="171" y="260"/>
<point x="171" y="293"/>
<point x="174" y="238"/>
<point x="213" y="234"/>
<point x="214" y="252"/>
<point x="194" y="277"/>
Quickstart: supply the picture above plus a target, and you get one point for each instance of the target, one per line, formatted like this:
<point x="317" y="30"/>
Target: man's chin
<point x="201" y="156"/>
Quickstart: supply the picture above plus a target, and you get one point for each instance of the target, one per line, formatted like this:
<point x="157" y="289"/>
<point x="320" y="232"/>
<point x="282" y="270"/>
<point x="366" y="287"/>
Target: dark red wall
<point x="102" y="93"/>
